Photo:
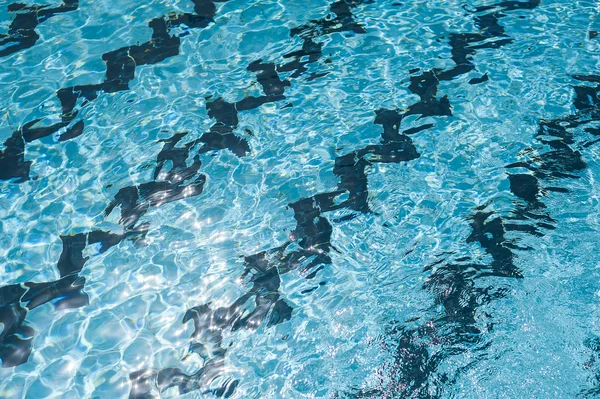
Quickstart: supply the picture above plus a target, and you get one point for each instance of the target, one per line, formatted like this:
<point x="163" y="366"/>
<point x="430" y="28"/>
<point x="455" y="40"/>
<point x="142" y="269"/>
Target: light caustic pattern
<point x="355" y="199"/>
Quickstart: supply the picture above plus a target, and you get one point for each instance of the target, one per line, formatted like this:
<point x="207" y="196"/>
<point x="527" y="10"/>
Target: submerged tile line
<point x="134" y="201"/>
<point x="262" y="271"/>
<point x="307" y="251"/>
<point x="558" y="158"/>
<point x="313" y="231"/>
<point x="16" y="338"/>
<point x="21" y="32"/>
<point x="120" y="71"/>
<point x="16" y="300"/>
<point x="418" y="351"/>
<point x="452" y="283"/>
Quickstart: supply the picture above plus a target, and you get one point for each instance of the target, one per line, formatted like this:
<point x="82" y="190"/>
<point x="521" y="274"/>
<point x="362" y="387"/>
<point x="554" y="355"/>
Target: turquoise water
<point x="299" y="199"/>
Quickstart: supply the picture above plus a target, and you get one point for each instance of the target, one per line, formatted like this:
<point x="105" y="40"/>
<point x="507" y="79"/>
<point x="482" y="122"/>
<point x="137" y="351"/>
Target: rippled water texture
<point x="299" y="199"/>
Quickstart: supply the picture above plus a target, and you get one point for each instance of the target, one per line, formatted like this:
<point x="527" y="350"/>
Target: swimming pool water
<point x="299" y="199"/>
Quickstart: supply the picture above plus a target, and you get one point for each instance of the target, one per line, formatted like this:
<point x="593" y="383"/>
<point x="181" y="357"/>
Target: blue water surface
<point x="299" y="199"/>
